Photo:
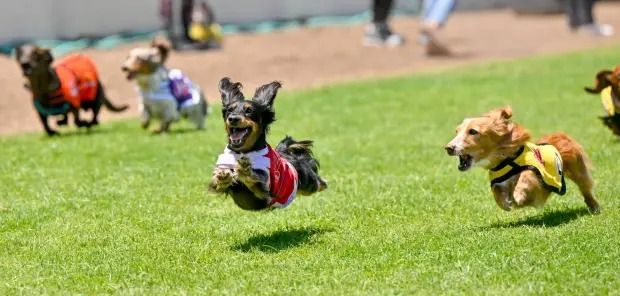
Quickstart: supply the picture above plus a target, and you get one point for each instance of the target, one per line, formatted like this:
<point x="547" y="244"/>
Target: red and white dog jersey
<point x="282" y="175"/>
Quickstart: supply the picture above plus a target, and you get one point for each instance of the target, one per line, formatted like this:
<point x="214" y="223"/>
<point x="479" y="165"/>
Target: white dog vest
<point x="282" y="175"/>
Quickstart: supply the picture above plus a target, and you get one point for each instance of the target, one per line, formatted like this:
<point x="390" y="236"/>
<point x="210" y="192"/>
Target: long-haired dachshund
<point x="607" y="84"/>
<point x="69" y="85"/>
<point x="521" y="173"/>
<point x="166" y="94"/>
<point x="254" y="174"/>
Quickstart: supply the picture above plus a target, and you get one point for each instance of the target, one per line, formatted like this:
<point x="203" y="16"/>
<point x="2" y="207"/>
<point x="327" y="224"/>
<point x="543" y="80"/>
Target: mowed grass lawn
<point x="119" y="211"/>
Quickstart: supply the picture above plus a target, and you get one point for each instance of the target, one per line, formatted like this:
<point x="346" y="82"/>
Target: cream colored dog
<point x="166" y="94"/>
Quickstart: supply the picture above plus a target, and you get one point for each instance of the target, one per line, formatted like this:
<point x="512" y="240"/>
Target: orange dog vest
<point x="78" y="79"/>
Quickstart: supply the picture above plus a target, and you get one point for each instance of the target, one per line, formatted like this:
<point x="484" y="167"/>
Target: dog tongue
<point x="238" y="134"/>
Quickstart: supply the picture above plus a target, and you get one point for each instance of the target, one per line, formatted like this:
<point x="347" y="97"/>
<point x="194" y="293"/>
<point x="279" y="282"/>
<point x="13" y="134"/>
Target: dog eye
<point x="472" y="132"/>
<point x="248" y="110"/>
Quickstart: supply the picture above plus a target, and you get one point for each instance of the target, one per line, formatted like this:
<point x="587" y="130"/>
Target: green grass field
<point x="119" y="211"/>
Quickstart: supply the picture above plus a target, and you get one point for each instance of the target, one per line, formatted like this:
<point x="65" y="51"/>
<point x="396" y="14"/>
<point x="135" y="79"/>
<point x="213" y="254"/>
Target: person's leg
<point x="381" y="10"/>
<point x="435" y="14"/>
<point x="187" y="7"/>
<point x="573" y="14"/>
<point x="378" y="32"/>
<point x="581" y="19"/>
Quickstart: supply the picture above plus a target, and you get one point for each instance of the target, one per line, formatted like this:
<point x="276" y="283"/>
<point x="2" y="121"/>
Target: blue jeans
<point x="437" y="10"/>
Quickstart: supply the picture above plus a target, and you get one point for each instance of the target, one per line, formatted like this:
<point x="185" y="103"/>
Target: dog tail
<point x="288" y="145"/>
<point x="299" y="154"/>
<point x="112" y="107"/>
<point x="601" y="82"/>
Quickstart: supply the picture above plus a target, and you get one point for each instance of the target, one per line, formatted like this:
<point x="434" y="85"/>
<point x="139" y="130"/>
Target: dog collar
<point x="542" y="159"/>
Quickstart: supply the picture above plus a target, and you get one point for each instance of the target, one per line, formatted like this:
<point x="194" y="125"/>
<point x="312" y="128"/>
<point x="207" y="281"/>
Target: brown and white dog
<point x="607" y="84"/>
<point x="496" y="143"/>
<point x="166" y="94"/>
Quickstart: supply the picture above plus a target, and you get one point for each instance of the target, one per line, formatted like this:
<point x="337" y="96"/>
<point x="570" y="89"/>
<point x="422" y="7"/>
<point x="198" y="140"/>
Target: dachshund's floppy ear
<point x="230" y="91"/>
<point x="266" y="94"/>
<point x="504" y="113"/>
<point x="602" y="82"/>
<point x="163" y="46"/>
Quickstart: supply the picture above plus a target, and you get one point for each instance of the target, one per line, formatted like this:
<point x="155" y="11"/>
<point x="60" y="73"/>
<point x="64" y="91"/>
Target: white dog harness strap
<point x="543" y="159"/>
<point x="282" y="175"/>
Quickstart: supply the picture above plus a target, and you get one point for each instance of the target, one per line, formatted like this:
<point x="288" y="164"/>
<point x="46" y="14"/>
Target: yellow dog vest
<point x="608" y="101"/>
<point x="543" y="159"/>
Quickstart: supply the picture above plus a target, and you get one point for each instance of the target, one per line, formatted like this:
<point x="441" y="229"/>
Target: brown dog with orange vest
<point x="69" y="85"/>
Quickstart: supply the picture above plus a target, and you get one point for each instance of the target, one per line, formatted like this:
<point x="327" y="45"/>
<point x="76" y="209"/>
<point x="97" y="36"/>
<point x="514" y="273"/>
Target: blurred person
<point x="435" y="14"/>
<point x="581" y="19"/>
<point x="195" y="26"/>
<point x="378" y="32"/>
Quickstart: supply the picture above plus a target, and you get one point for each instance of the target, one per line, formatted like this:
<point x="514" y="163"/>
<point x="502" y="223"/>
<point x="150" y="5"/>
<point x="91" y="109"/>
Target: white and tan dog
<point x="166" y="94"/>
<point x="521" y="173"/>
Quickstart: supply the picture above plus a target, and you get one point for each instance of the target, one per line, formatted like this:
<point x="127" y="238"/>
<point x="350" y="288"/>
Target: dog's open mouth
<point x="237" y="135"/>
<point x="465" y="162"/>
<point x="130" y="75"/>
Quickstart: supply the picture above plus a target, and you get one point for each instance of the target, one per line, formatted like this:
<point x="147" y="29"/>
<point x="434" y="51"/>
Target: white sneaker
<point x="379" y="34"/>
<point x="600" y="30"/>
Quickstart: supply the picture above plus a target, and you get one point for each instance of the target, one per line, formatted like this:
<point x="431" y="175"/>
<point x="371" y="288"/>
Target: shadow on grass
<point x="279" y="240"/>
<point x="83" y="132"/>
<point x="547" y="219"/>
<point x="178" y="131"/>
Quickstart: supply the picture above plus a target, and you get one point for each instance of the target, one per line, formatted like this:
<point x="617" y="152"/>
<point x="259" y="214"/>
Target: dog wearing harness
<point x="71" y="84"/>
<point x="607" y="84"/>
<point x="522" y="173"/>
<point x="544" y="160"/>
<point x="257" y="176"/>
<point x="165" y="94"/>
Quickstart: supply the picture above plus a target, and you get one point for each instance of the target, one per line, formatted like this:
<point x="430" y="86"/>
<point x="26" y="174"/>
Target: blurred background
<point x="301" y="43"/>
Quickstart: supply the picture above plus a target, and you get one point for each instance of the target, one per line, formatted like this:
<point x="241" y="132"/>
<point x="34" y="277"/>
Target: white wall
<point x="28" y="19"/>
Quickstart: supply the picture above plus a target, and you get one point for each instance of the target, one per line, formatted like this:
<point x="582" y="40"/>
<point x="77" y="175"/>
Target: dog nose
<point x="234" y="119"/>
<point x="450" y="149"/>
<point x="124" y="68"/>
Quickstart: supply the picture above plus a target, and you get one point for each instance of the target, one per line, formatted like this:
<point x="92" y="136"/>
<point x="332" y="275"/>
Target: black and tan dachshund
<point x="255" y="175"/>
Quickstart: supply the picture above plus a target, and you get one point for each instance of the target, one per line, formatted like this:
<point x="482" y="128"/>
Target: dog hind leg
<point x="578" y="172"/>
<point x="576" y="166"/>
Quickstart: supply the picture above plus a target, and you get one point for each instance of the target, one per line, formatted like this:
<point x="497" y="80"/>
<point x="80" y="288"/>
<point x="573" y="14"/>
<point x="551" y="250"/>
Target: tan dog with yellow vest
<point x="607" y="84"/>
<point x="522" y="173"/>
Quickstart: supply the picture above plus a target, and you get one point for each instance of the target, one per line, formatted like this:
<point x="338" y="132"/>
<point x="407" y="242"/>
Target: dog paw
<point x="62" y="122"/>
<point x="221" y="180"/>
<point x="244" y="165"/>
<point x="52" y="133"/>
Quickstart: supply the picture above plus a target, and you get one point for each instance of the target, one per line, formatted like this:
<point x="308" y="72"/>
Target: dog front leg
<point x="145" y="119"/>
<point x="254" y="180"/>
<point x="502" y="198"/>
<point x="221" y="180"/>
<point x="46" y="126"/>
<point x="76" y="118"/>
<point x="64" y="119"/>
